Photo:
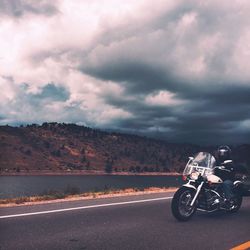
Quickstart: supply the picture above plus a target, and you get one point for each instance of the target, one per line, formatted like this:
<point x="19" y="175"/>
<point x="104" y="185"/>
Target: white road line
<point x="85" y="207"/>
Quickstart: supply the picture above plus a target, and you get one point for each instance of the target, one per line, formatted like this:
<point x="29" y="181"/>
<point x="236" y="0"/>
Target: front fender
<point x="189" y="185"/>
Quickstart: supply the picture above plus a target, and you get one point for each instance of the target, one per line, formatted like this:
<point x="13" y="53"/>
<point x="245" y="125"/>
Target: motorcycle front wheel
<point x="181" y="208"/>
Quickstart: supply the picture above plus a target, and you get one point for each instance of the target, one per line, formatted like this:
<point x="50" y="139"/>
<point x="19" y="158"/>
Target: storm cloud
<point x="178" y="71"/>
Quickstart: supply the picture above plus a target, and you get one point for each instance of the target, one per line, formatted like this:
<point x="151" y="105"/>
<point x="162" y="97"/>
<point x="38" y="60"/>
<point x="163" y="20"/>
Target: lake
<point x="17" y="186"/>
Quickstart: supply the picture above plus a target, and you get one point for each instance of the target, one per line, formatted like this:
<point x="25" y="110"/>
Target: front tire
<point x="180" y="206"/>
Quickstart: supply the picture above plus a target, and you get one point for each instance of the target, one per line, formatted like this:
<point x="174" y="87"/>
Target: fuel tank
<point x="214" y="179"/>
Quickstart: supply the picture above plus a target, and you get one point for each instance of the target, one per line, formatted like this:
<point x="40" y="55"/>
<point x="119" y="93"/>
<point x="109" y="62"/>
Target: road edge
<point x="94" y="195"/>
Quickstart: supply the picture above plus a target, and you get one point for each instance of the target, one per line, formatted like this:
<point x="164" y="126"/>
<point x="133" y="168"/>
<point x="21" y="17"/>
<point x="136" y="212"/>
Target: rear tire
<point x="237" y="204"/>
<point x="180" y="206"/>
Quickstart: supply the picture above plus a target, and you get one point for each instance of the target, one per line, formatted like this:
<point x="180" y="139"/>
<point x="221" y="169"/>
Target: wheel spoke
<point x="184" y="204"/>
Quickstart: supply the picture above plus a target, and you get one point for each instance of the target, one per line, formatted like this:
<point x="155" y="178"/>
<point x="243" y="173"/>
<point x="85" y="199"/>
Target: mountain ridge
<point x="64" y="147"/>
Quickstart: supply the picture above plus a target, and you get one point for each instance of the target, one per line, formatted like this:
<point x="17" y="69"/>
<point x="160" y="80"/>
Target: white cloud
<point x="113" y="57"/>
<point x="163" y="98"/>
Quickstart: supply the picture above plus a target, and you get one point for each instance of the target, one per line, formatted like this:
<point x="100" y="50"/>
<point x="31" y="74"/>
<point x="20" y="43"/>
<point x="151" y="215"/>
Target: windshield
<point x="202" y="163"/>
<point x="204" y="159"/>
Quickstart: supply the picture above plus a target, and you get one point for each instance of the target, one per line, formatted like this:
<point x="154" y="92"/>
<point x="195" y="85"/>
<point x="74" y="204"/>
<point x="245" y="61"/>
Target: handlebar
<point x="222" y="168"/>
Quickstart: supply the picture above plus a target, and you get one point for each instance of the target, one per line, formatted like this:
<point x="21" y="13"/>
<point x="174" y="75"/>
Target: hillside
<point x="64" y="147"/>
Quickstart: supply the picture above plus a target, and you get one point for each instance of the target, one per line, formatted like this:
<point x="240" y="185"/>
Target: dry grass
<point x="58" y="197"/>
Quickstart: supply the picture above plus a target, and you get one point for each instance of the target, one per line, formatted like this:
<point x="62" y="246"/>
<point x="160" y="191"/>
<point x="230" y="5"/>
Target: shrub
<point x="28" y="152"/>
<point x="72" y="190"/>
<point x="51" y="194"/>
<point x="21" y="200"/>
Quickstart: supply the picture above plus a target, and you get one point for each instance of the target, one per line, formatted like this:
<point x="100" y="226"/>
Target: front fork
<point x="197" y="193"/>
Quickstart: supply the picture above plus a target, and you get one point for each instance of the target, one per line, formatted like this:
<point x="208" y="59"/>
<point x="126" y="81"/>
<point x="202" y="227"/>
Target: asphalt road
<point x="144" y="225"/>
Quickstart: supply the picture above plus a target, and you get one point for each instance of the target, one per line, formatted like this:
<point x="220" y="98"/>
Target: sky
<point x="175" y="70"/>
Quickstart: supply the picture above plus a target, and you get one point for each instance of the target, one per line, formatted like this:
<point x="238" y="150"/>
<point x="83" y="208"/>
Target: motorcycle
<point x="203" y="190"/>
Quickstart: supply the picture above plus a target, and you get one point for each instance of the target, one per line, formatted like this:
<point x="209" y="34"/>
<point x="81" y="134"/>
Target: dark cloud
<point x="136" y="77"/>
<point x="209" y="114"/>
<point x="17" y="8"/>
<point x="191" y="52"/>
<point x="195" y="121"/>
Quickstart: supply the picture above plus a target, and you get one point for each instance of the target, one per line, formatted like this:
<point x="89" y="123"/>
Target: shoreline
<point x="86" y="173"/>
<point x="38" y="200"/>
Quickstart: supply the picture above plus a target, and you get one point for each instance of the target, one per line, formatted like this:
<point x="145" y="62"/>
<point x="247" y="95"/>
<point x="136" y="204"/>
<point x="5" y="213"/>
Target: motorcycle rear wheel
<point x="180" y="206"/>
<point x="236" y="205"/>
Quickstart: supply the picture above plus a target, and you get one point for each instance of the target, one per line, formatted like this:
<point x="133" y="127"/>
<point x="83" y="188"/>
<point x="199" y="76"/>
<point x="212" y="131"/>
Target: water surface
<point x="17" y="186"/>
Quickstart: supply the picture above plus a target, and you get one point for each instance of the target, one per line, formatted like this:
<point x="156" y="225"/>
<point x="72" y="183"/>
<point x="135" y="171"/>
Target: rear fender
<point x="241" y="189"/>
<point x="237" y="183"/>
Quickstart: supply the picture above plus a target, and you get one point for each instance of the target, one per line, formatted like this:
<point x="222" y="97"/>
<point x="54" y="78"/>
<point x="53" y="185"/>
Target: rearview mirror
<point x="227" y="161"/>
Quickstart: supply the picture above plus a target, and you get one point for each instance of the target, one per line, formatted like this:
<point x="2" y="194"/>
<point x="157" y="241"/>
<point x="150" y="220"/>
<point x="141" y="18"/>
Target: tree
<point x="28" y="152"/>
<point x="83" y="159"/>
<point x="131" y="169"/>
<point x="46" y="144"/>
<point x="109" y="166"/>
<point x="88" y="167"/>
<point x="56" y="153"/>
<point x="83" y="151"/>
<point x="138" y="169"/>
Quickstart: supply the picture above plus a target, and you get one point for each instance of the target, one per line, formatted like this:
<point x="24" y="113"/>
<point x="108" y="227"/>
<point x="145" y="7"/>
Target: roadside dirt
<point x="88" y="196"/>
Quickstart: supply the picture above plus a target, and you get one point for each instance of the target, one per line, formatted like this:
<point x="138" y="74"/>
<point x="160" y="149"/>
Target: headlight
<point x="194" y="176"/>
